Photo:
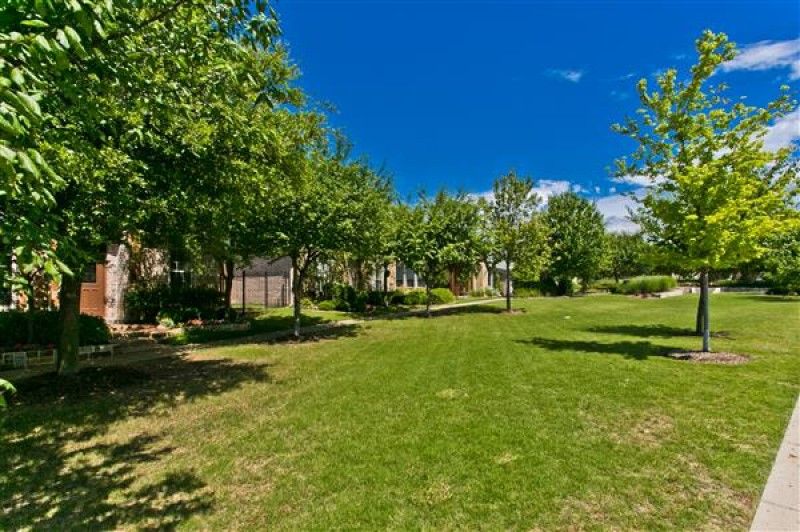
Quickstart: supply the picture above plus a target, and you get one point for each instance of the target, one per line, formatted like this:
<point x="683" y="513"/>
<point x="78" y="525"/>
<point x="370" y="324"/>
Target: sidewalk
<point x="779" y="508"/>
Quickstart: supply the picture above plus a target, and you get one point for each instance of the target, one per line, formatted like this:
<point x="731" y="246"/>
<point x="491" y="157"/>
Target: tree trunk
<point x="297" y="288"/>
<point x="385" y="284"/>
<point x="227" y="273"/>
<point x="68" y="317"/>
<point x="508" y="284"/>
<point x="427" y="299"/>
<point x="698" y="323"/>
<point x="706" y="324"/>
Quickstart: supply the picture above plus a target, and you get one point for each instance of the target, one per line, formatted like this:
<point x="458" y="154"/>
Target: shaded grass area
<point x="266" y="321"/>
<point x="561" y="416"/>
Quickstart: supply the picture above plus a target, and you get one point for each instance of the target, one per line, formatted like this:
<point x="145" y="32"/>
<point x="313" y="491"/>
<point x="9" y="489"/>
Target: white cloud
<point x="783" y="132"/>
<point x="614" y="209"/>
<point x="572" y="75"/>
<point x="544" y="188"/>
<point x="638" y="180"/>
<point x="765" y="55"/>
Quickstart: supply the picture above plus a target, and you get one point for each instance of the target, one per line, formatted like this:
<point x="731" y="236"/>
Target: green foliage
<point x="627" y="256"/>
<point x="439" y="235"/>
<point x="716" y="193"/>
<point x="646" y="285"/>
<point x="783" y="262"/>
<point x="577" y="240"/>
<point x="484" y="292"/>
<point x="14" y="328"/>
<point x="327" y="304"/>
<point x="441" y="296"/>
<point x="524" y="292"/>
<point x="521" y="239"/>
<point x="153" y="304"/>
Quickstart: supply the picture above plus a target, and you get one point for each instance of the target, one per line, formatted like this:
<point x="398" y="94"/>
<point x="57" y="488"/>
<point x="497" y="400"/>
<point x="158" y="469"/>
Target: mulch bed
<point x="710" y="358"/>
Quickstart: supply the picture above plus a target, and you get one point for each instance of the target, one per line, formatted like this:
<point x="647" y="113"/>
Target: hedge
<point x="14" y="328"/>
<point x="648" y="284"/>
<point x="148" y="305"/>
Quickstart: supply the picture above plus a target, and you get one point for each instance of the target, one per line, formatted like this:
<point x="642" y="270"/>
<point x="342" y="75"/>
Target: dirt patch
<point x="710" y="358"/>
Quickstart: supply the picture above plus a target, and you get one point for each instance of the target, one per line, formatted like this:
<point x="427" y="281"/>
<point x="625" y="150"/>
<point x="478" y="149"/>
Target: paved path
<point x="779" y="508"/>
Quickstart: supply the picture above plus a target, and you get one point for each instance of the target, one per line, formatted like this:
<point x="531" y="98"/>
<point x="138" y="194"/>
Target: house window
<point x="90" y="273"/>
<point x="179" y="274"/>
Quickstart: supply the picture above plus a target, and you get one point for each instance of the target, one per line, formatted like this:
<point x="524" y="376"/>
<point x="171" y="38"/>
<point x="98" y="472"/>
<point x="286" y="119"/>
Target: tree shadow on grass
<point x="655" y="330"/>
<point x="60" y="473"/>
<point x="635" y="350"/>
<point x="420" y="313"/>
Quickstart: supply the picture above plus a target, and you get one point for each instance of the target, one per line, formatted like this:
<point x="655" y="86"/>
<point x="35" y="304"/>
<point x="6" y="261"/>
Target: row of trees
<point x="165" y="122"/>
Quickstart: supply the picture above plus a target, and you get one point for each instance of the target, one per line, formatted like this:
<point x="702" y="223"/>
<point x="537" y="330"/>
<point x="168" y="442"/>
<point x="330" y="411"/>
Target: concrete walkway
<point x="779" y="508"/>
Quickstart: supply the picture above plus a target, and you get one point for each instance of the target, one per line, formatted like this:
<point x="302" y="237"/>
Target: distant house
<point x="263" y="281"/>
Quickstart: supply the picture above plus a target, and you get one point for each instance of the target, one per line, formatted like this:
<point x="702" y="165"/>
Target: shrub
<point x="148" y="305"/>
<point x="14" y="328"/>
<point x="398" y="297"/>
<point x="441" y="296"/>
<point x="343" y="296"/>
<point x="376" y="298"/>
<point x="525" y="291"/>
<point x="649" y="284"/>
<point x="609" y="285"/>
<point x="327" y="304"/>
<point x="305" y="302"/>
<point x="414" y="297"/>
<point x="484" y="292"/>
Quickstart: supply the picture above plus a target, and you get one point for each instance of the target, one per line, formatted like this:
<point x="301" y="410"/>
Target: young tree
<point x="715" y="191"/>
<point x="627" y="255"/>
<point x="577" y="240"/>
<point x="516" y="226"/>
<point x="324" y="208"/>
<point x="438" y="235"/>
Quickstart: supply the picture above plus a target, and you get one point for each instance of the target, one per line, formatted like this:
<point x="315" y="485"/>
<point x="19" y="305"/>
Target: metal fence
<point x="261" y="290"/>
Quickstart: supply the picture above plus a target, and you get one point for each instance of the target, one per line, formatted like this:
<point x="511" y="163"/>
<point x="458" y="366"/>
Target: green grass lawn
<point x="562" y="416"/>
<point x="264" y="321"/>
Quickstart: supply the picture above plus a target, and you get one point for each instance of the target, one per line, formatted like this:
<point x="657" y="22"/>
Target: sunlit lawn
<point x="564" y="416"/>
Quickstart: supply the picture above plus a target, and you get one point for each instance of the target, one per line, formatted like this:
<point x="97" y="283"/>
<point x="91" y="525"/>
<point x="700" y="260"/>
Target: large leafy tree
<point x="119" y="116"/>
<point x="517" y="231"/>
<point x="716" y="193"/>
<point x="577" y="240"/>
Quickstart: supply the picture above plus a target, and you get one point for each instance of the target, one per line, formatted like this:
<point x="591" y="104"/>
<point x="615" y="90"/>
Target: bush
<point x="440" y="296"/>
<point x="376" y="298"/>
<point x="14" y="328"/>
<point x="327" y="304"/>
<point x="525" y="291"/>
<point x="484" y="292"/>
<point x="609" y="285"/>
<point x="415" y="298"/>
<point x="343" y="296"/>
<point x="149" y="305"/>
<point x="649" y="284"/>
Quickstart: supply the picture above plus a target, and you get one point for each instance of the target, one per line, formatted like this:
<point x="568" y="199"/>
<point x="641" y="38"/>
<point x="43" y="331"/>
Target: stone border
<point x="779" y="508"/>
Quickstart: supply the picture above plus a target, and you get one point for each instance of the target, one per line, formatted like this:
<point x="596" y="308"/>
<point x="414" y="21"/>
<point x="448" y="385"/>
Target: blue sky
<point x="452" y="94"/>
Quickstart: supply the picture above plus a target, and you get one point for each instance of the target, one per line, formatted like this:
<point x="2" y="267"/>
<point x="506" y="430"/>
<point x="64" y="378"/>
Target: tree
<point x="715" y="191"/>
<point x="627" y="255"/>
<point x="118" y="102"/>
<point x="782" y="262"/>
<point x="576" y="238"/>
<point x="516" y="226"/>
<point x="438" y="235"/>
<point x="325" y="207"/>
